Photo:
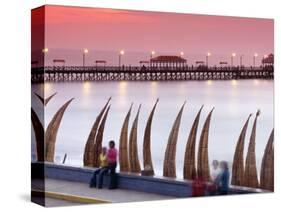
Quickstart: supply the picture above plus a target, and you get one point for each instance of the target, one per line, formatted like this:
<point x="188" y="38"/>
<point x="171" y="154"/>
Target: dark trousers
<point x="98" y="176"/>
<point x="113" y="178"/>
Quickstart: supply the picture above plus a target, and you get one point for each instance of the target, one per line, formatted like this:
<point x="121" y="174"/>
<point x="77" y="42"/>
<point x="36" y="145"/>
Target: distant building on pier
<point x="168" y="61"/>
<point x="268" y="60"/>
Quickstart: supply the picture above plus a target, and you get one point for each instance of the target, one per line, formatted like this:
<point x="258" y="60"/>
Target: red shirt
<point x="112" y="155"/>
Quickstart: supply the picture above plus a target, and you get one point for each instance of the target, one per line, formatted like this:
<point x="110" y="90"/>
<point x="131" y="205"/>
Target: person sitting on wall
<point x="215" y="171"/>
<point x="99" y="173"/>
<point x="198" y="186"/>
<point x="223" y="179"/>
<point x="112" y="154"/>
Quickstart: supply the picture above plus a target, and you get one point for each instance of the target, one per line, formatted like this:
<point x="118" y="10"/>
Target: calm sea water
<point x="233" y="101"/>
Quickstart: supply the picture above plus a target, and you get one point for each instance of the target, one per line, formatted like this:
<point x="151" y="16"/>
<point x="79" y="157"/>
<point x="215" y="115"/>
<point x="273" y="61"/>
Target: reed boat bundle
<point x="39" y="135"/>
<point x="98" y="141"/>
<point x="147" y="158"/>
<point x="133" y="147"/>
<point x="88" y="157"/>
<point x="189" y="169"/>
<point x="267" y="166"/>
<point x="123" y="144"/>
<point x="51" y="132"/>
<point x="45" y="101"/>
<point x="203" y="171"/>
<point x="250" y="174"/>
<point x="39" y="129"/>
<point x="169" y="169"/>
<point x="238" y="159"/>
<point x="45" y="141"/>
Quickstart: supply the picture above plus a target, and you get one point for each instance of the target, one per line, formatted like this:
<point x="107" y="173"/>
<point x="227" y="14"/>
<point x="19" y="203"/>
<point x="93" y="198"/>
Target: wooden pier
<point x="136" y="73"/>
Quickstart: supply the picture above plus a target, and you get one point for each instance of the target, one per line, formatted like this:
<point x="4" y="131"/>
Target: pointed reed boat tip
<point x="139" y="108"/>
<point x="157" y="100"/>
<point x="258" y="112"/>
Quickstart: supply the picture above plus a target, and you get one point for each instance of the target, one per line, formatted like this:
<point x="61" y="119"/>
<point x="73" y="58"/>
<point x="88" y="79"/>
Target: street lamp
<point x="232" y="56"/>
<point x="241" y="60"/>
<point x="207" y="58"/>
<point x="122" y="52"/>
<point x="254" y="59"/>
<point x="85" y="51"/>
<point x="264" y="57"/>
<point x="152" y="53"/>
<point x="44" y="51"/>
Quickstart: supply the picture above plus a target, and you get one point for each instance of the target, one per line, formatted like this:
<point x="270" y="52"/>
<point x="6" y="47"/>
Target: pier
<point x="150" y="73"/>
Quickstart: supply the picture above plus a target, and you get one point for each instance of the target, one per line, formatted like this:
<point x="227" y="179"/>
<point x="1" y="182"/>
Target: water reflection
<point x="122" y="94"/>
<point x="47" y="87"/>
<point x="234" y="83"/>
<point x="256" y="82"/>
<point x="86" y="88"/>
<point x="209" y="82"/>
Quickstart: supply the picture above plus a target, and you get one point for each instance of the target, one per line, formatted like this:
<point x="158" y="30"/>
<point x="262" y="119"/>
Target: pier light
<point x="85" y="51"/>
<point x="254" y="59"/>
<point x="265" y="56"/>
<point x="181" y="54"/>
<point x="45" y="50"/>
<point x="121" y="52"/>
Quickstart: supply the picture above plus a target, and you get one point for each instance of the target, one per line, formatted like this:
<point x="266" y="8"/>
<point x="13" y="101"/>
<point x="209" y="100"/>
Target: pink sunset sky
<point x="68" y="30"/>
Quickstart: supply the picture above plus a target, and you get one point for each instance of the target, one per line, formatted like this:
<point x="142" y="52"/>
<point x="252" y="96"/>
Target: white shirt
<point x="215" y="173"/>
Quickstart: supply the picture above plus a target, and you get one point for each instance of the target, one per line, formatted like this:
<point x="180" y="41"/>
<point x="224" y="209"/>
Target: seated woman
<point x="97" y="179"/>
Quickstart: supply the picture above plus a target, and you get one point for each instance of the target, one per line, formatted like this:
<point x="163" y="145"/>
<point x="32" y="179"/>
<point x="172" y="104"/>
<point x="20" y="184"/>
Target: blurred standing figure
<point x="223" y="179"/>
<point x="112" y="154"/>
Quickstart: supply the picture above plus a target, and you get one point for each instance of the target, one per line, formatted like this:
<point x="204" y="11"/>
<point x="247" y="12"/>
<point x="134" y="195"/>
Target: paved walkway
<point x="82" y="190"/>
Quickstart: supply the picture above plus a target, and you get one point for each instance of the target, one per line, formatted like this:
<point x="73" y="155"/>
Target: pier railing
<point x="138" y="73"/>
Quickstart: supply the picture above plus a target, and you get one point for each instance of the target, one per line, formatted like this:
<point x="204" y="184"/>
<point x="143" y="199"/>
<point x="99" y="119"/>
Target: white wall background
<point x="15" y="102"/>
